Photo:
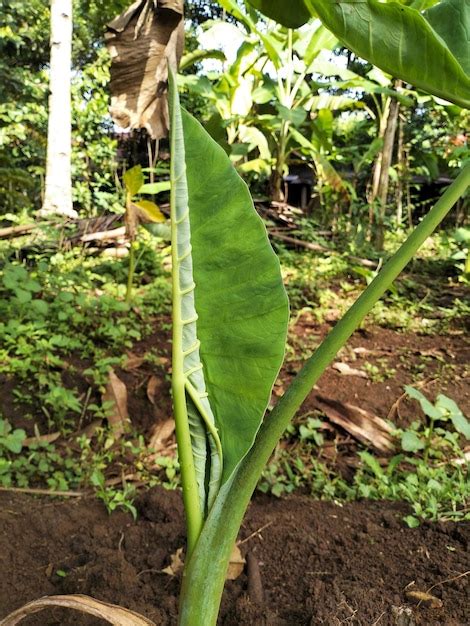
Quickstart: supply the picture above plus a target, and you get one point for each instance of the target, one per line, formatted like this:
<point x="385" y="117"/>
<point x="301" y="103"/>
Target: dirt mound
<point x="319" y="563"/>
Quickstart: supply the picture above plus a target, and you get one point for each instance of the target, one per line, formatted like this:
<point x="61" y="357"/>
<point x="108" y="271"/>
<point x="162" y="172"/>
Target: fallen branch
<point x="105" y="235"/>
<point x="16" y="231"/>
<point x="44" y="492"/>
<point x="316" y="247"/>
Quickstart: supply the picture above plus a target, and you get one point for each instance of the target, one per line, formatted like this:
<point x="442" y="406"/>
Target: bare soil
<point x="319" y="563"/>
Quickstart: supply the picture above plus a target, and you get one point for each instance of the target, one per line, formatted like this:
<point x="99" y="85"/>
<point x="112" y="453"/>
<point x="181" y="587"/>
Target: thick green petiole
<point x="204" y="576"/>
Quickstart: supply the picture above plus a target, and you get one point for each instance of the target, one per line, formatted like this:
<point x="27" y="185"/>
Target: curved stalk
<point x="204" y="576"/>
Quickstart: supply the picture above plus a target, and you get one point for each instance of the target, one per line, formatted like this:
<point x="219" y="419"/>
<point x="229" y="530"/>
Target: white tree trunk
<point x="58" y="192"/>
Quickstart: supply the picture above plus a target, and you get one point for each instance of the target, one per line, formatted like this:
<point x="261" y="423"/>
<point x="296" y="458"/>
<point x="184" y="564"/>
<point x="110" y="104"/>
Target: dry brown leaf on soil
<point x="176" y="563"/>
<point x="111" y="613"/>
<point x="160" y="435"/>
<point x="153" y="385"/>
<point x="32" y="441"/>
<point x="235" y="568"/>
<point x="424" y="598"/>
<point x="236" y="565"/>
<point x="142" y="41"/>
<point x="347" y="370"/>
<point x="116" y="394"/>
<point x="361" y="424"/>
<point x="133" y="362"/>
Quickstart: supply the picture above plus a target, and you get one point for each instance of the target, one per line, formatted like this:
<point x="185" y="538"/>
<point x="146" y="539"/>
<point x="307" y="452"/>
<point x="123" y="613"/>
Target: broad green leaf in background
<point x="402" y="42"/>
<point x="430" y="50"/>
<point x="189" y="59"/>
<point x="451" y="20"/>
<point x="290" y="14"/>
<point x="154" y="188"/>
<point x="233" y="306"/>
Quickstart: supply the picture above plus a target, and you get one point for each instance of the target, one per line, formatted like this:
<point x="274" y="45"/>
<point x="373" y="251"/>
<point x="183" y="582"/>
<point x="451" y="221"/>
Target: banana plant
<point x="230" y="316"/>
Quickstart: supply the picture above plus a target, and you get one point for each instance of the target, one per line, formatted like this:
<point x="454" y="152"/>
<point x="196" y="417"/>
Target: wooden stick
<point x="104" y="235"/>
<point x="316" y="247"/>
<point x="16" y="231"/>
<point x="44" y="492"/>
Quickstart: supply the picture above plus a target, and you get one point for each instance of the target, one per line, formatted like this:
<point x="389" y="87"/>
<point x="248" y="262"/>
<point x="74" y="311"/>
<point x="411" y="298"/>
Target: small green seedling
<point x="139" y="212"/>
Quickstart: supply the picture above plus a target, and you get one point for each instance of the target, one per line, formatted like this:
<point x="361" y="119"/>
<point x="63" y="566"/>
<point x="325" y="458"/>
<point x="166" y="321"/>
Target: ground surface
<point x="319" y="563"/>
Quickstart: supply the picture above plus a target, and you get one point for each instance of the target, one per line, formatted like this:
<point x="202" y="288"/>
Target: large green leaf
<point x="451" y="20"/>
<point x="399" y="40"/>
<point x="229" y="278"/>
<point x="429" y="50"/>
<point x="289" y="14"/>
<point x="240" y="298"/>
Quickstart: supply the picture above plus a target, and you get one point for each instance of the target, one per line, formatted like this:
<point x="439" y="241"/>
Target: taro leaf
<point x="238" y="293"/>
<point x="402" y="42"/>
<point x="188" y="376"/>
<point x="142" y="41"/>
<point x="451" y="20"/>
<point x="291" y="14"/>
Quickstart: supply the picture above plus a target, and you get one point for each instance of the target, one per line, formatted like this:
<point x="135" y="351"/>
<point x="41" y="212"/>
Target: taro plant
<point x="230" y="311"/>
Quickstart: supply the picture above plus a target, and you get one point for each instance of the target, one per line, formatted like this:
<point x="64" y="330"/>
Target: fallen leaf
<point x="116" y="394"/>
<point x="133" y="362"/>
<point x="347" y="370"/>
<point x="426" y="598"/>
<point x="152" y="386"/>
<point x="111" y="613"/>
<point x="31" y="441"/>
<point x="176" y="563"/>
<point x="361" y="424"/>
<point x="236" y="565"/>
<point x="161" y="433"/>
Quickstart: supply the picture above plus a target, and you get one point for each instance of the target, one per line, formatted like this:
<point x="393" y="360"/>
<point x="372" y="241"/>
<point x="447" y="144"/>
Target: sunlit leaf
<point x="133" y="180"/>
<point x="238" y="295"/>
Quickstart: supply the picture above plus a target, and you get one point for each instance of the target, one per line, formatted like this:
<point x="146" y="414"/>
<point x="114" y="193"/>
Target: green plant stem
<point x="204" y="575"/>
<point x="130" y="273"/>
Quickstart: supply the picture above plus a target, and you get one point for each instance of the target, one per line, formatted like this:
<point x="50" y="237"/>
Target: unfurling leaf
<point x="133" y="180"/>
<point x="230" y="311"/>
<point x="142" y="41"/>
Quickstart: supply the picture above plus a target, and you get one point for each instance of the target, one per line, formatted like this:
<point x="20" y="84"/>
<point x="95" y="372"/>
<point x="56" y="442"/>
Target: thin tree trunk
<point x="383" y="178"/>
<point x="401" y="170"/>
<point x="58" y="193"/>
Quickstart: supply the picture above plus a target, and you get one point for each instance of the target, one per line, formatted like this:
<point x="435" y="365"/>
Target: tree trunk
<point x="382" y="171"/>
<point x="58" y="192"/>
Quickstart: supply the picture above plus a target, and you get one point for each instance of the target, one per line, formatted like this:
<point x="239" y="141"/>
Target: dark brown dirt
<point x="319" y="563"/>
